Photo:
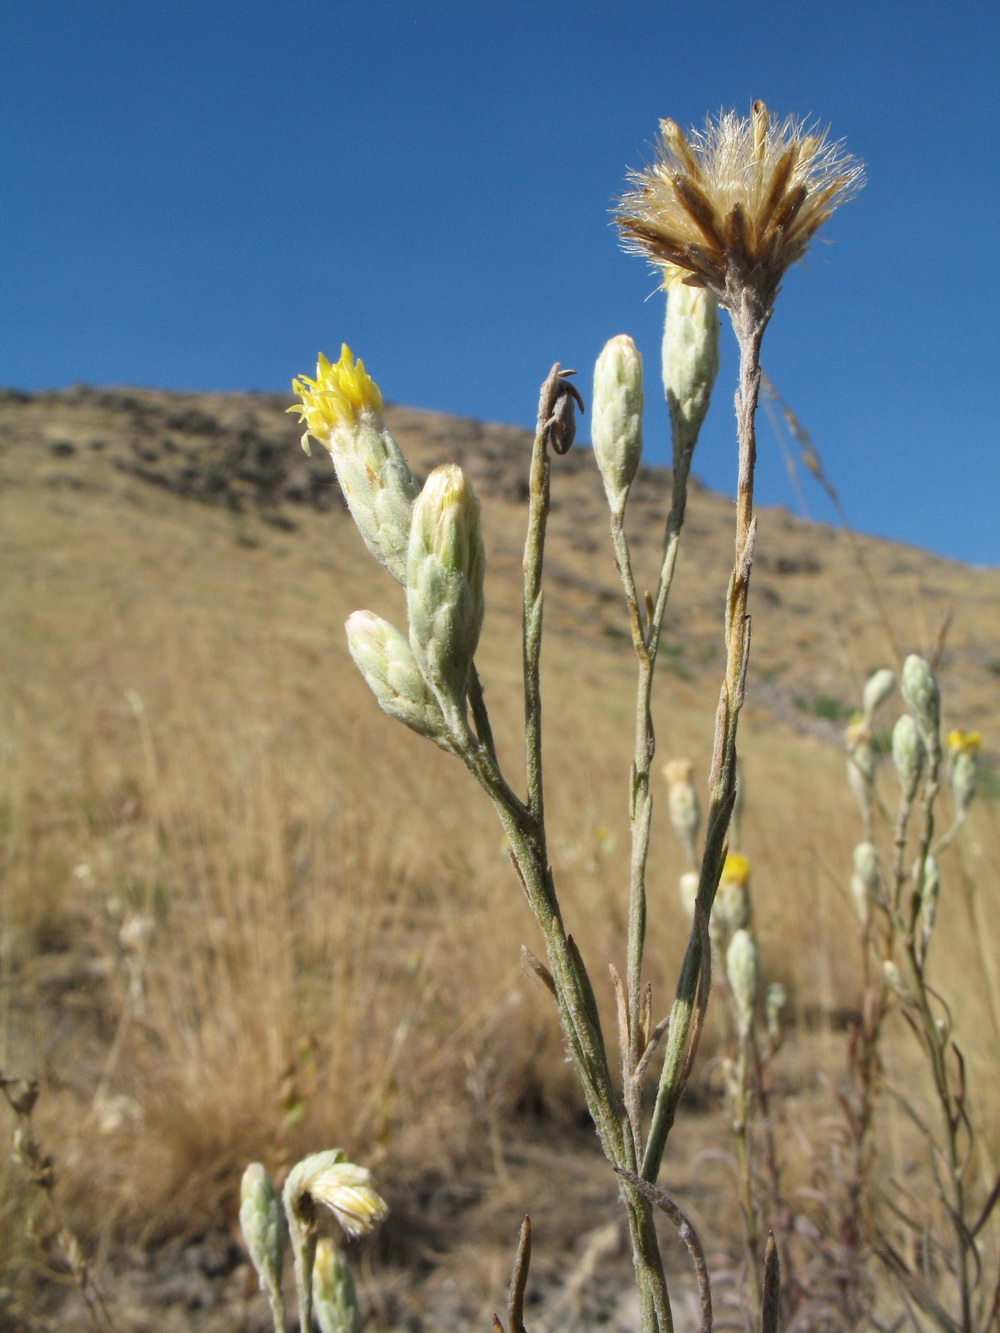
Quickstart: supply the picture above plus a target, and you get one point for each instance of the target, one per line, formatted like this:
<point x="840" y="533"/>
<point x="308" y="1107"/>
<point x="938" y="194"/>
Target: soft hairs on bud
<point x="444" y="582"/>
<point x="385" y="659"/>
<point x="923" y="697"/>
<point x="263" y="1225"/>
<point x="907" y="755"/>
<point x="617" y="406"/>
<point x="690" y="362"/>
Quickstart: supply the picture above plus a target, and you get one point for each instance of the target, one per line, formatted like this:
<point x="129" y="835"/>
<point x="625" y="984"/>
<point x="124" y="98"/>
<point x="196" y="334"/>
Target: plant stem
<point x="749" y="319"/>
<point x="646" y="644"/>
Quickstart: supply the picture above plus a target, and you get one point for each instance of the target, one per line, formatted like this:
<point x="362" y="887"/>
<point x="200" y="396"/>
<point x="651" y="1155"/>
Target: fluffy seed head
<point x="736" y="203"/>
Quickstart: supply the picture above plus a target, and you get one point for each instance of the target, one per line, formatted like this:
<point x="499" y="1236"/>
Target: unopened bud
<point x="682" y="803"/>
<point x="342" y="408"/>
<point x="775" y="1000"/>
<point x="690" y="362"/>
<point x="923" y="698"/>
<point x="741" y="970"/>
<point x="688" y="890"/>
<point x="929" y="890"/>
<point x="266" y="1234"/>
<point x="732" y="908"/>
<point x="335" y="1299"/>
<point x="385" y="659"/>
<point x="444" y="585"/>
<point x="877" y="689"/>
<point x="963" y="746"/>
<point x="865" y="881"/>
<point x="860" y="765"/>
<point x="617" y="425"/>
<point x="907" y="755"/>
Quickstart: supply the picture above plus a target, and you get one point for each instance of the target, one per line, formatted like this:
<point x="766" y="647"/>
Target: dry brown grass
<point x="244" y="916"/>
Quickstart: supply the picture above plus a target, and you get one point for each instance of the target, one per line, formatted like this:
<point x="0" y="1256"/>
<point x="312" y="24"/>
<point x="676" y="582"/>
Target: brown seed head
<point x="738" y="202"/>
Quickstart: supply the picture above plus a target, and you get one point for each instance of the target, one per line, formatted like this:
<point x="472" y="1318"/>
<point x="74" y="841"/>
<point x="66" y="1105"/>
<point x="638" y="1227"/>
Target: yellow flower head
<point x="338" y="395"/>
<point x="736" y="203"/>
<point x="963" y="742"/>
<point x="736" y="869"/>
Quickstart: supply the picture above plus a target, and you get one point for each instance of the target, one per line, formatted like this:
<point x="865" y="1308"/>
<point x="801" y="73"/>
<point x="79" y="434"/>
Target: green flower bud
<point x="682" y="804"/>
<point x="690" y="362"/>
<point x="385" y="659"/>
<point x="963" y="746"/>
<point x="444" y="584"/>
<point x="865" y="881"/>
<point x="263" y="1225"/>
<point x="342" y="408"/>
<point x="688" y="891"/>
<point x="617" y="407"/>
<point x="741" y="969"/>
<point x="775" y="999"/>
<point x="877" y="689"/>
<point x="907" y="755"/>
<point x="923" y="698"/>
<point x="732" y="908"/>
<point x="860" y="765"/>
<point x="334" y="1295"/>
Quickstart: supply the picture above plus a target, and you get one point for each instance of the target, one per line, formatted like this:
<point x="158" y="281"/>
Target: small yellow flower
<point x="736" y="203"/>
<point x="963" y="742"/>
<point x="736" y="869"/>
<point x="337" y="397"/>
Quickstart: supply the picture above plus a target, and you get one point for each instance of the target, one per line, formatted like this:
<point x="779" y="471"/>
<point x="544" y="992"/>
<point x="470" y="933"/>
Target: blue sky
<point x="203" y="195"/>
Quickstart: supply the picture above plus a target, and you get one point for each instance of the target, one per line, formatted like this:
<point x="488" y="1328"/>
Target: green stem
<point x="749" y="321"/>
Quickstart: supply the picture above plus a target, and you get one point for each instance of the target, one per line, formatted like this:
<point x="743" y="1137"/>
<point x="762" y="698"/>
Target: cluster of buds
<point x="322" y="1180"/>
<point x="430" y="540"/>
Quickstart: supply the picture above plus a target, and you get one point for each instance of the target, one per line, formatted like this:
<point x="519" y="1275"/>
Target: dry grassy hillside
<point x="245" y="916"/>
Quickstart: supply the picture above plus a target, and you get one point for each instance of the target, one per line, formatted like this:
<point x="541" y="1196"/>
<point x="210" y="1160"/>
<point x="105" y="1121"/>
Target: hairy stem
<point x="749" y="320"/>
